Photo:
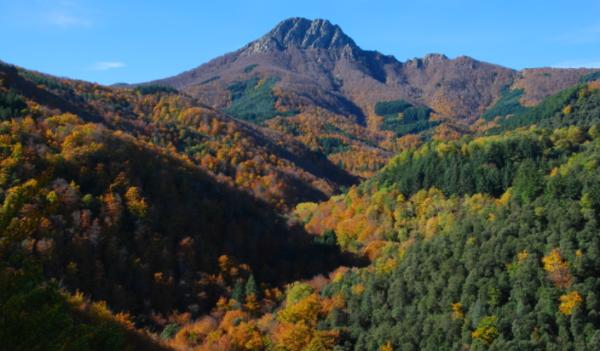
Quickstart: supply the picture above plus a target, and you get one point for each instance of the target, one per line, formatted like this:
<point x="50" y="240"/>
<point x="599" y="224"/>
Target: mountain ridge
<point x="337" y="55"/>
<point x="308" y="79"/>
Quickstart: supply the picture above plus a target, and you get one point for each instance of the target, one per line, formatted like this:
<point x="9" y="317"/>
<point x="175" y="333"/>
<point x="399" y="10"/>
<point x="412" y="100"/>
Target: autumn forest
<point x="302" y="194"/>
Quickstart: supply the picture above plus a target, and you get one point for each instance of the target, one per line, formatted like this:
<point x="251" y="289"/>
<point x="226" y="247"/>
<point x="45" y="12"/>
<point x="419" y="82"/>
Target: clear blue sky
<point x="110" y="41"/>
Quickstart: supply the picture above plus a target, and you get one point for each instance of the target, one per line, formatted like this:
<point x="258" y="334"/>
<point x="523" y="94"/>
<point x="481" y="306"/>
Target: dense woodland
<point x="103" y="212"/>
<point x="138" y="218"/>
<point x="270" y="166"/>
<point x="485" y="243"/>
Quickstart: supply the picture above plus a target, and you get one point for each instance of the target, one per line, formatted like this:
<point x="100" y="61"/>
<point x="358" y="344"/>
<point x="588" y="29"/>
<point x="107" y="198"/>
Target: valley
<point x="302" y="193"/>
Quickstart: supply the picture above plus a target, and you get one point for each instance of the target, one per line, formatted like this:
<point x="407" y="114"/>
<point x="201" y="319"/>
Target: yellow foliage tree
<point x="135" y="203"/>
<point x="486" y="331"/>
<point x="306" y="310"/>
<point x="558" y="269"/>
<point x="569" y="302"/>
<point x="457" y="311"/>
<point x="292" y="336"/>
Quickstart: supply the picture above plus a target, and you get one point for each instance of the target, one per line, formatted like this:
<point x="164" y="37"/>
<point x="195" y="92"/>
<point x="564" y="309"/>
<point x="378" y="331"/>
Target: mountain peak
<point x="435" y="57"/>
<point x="303" y="33"/>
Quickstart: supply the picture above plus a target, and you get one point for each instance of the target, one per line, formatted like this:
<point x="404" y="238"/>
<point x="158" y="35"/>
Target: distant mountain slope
<point x="318" y="64"/>
<point x="314" y="70"/>
<point x="577" y="105"/>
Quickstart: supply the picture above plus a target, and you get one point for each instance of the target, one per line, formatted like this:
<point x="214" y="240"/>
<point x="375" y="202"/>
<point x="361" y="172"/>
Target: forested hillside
<point x="302" y="194"/>
<point x="108" y="207"/>
<point x="484" y="243"/>
<point x="262" y="162"/>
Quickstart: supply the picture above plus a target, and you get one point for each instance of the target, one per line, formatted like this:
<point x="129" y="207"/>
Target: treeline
<point x="478" y="165"/>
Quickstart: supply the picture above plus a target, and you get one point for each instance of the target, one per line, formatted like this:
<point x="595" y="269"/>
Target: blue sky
<point x="110" y="41"/>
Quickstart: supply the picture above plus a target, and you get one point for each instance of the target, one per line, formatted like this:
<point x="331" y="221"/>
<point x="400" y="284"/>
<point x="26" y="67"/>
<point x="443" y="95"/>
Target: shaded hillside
<point x="41" y="316"/>
<point x="104" y="210"/>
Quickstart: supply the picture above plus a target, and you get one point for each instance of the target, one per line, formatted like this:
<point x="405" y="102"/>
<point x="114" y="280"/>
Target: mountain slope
<point x="485" y="243"/>
<point x="482" y="243"/>
<point x="318" y="64"/>
<point x="308" y="78"/>
<point x="268" y="164"/>
<point x="114" y="204"/>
